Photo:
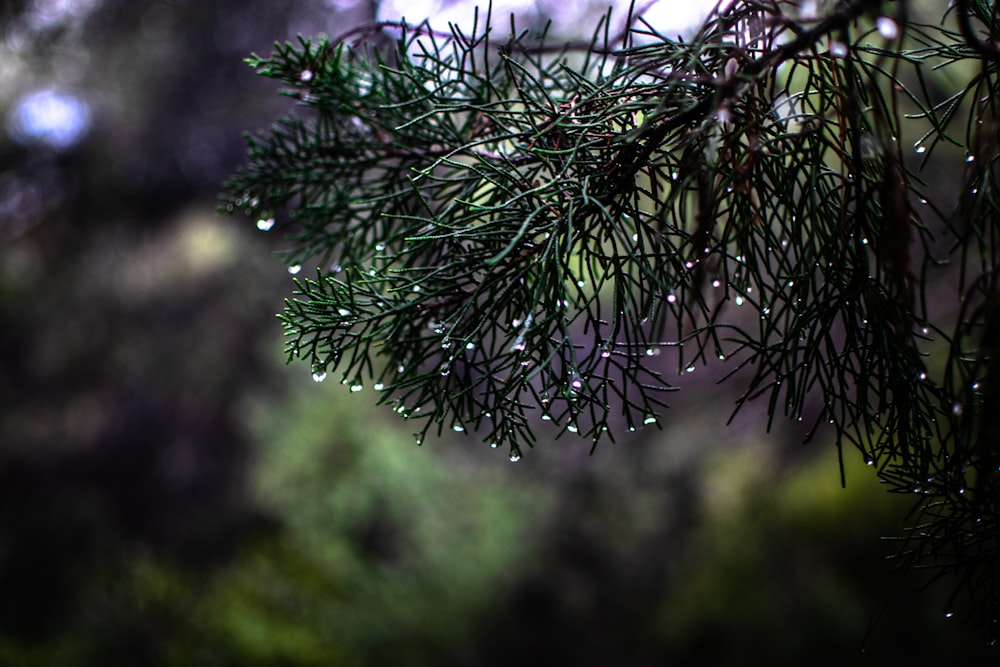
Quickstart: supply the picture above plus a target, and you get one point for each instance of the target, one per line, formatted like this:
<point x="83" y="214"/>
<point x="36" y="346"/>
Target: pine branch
<point x="511" y="232"/>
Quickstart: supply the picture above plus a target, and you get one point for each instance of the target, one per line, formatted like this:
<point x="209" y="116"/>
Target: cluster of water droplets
<point x="519" y="344"/>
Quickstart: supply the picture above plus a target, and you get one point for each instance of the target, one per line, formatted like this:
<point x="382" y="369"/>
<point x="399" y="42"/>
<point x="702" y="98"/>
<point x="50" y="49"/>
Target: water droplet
<point x="721" y="355"/>
<point x="515" y="323"/>
<point x="457" y="428"/>
<point x="515" y="456"/>
<point x="306" y="76"/>
<point x="419" y="437"/>
<point x="343" y="312"/>
<point x="635" y="238"/>
<point x="494" y="444"/>
<point x="445" y="343"/>
<point x="470" y="346"/>
<point x="919" y="148"/>
<point x="378" y="386"/>
<point x="689" y="369"/>
<point x="672" y="298"/>
<point x="649" y="419"/>
<point x="716" y="283"/>
<point x="519" y="345"/>
<point x="355" y="388"/>
<point x="445" y="370"/>
<point x="379" y="247"/>
<point x="576" y="384"/>
<point x="739" y="300"/>
<point x="605" y="353"/>
<point x="294" y="268"/>
<point x="546" y="417"/>
<point x="838" y="49"/>
<point x="887" y="27"/>
<point x="572" y="428"/>
<point x="956" y="409"/>
<point x="265" y="224"/>
<point x="869" y="461"/>
<point x="949" y="613"/>
<point x="319" y="375"/>
<point x="970" y="158"/>
<point x="975" y="386"/>
<point x="652" y="352"/>
<point x="401" y="369"/>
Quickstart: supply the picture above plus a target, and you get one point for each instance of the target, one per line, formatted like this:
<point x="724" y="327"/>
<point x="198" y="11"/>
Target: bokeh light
<point x="49" y="116"/>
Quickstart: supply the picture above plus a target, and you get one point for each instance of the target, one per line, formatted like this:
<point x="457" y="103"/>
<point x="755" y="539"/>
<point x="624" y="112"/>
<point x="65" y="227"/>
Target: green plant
<point x="507" y="231"/>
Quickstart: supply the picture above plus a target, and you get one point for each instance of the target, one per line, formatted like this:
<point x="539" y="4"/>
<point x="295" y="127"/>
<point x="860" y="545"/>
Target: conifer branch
<point x="509" y="232"/>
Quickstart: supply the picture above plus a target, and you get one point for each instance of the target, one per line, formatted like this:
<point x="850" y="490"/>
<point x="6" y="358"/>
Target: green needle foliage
<point x="507" y="231"/>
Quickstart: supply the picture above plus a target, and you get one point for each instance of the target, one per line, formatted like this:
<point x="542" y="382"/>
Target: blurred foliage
<point x="388" y="553"/>
<point x="799" y="563"/>
<point x="392" y="555"/>
<point x="171" y="495"/>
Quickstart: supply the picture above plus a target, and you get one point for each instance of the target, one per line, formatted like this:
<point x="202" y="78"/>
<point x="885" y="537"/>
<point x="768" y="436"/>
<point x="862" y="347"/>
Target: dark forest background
<point x="172" y="494"/>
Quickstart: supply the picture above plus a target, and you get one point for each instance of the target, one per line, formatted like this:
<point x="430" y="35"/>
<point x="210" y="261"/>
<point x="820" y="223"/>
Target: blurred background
<point x="172" y="494"/>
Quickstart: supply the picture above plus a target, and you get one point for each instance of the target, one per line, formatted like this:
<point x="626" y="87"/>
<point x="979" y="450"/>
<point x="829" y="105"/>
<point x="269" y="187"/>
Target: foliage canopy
<point x="507" y="231"/>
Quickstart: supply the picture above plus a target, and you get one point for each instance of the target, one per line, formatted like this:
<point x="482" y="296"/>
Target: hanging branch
<point x="509" y="232"/>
